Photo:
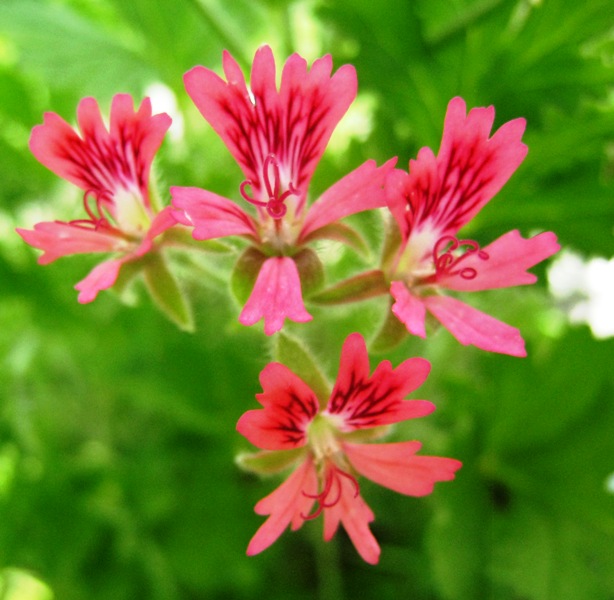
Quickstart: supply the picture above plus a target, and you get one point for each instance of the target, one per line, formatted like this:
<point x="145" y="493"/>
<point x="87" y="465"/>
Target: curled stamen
<point x="272" y="182"/>
<point x="97" y="219"/>
<point x="291" y="191"/>
<point x="448" y="263"/>
<point x="242" y="189"/>
<point x="332" y="477"/>
<point x="271" y="163"/>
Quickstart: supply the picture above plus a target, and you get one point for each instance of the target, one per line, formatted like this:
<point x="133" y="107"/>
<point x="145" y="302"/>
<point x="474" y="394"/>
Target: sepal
<point x="166" y="293"/>
<point x="268" y="462"/>
<point x="360" y="287"/>
<point x="390" y="335"/>
<point x="129" y="271"/>
<point x="245" y="273"/>
<point x="339" y="232"/>
<point x="310" y="270"/>
<point x="295" y="355"/>
<point x="181" y="237"/>
<point x="392" y="244"/>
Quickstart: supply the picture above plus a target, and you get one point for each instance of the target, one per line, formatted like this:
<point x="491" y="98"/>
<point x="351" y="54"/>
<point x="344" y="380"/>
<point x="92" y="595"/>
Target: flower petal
<point x="101" y="277"/>
<point x="355" y="515"/>
<point x="445" y="192"/>
<point x="397" y="467"/>
<point x="285" y="505"/>
<point x="409" y="309"/>
<point x="276" y="296"/>
<point x="57" y="239"/>
<point x="289" y="406"/>
<point x="212" y="216"/>
<point x="509" y="257"/>
<point x="362" y="189"/>
<point x="293" y="124"/>
<point x="362" y="401"/>
<point x="411" y="196"/>
<point x="472" y="327"/>
<point x="52" y="144"/>
<point x="141" y="132"/>
<point x="101" y="161"/>
<point x="473" y="167"/>
<point x="164" y="220"/>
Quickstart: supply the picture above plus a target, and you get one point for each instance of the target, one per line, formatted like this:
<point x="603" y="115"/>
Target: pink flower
<point x="277" y="137"/>
<point x="432" y="202"/>
<point x="328" y="445"/>
<point x="112" y="168"/>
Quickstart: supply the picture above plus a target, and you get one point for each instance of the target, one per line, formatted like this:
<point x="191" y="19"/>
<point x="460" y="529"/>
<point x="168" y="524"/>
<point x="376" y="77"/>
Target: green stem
<point x="330" y="581"/>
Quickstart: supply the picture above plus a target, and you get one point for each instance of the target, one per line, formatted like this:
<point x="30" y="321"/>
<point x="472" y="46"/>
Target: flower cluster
<point x="277" y="134"/>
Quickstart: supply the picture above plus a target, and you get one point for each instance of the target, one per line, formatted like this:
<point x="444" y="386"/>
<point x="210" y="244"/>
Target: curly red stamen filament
<point x="270" y="164"/>
<point x="97" y="219"/>
<point x="333" y="476"/>
<point x="448" y="263"/>
<point x="272" y="182"/>
<point x="242" y="189"/>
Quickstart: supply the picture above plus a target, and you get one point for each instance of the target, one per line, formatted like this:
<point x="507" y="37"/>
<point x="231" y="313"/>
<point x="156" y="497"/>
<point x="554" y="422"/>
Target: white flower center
<point x="130" y="213"/>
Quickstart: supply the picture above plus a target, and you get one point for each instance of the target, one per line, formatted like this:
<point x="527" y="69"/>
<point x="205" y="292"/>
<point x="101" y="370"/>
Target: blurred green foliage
<point x="117" y="430"/>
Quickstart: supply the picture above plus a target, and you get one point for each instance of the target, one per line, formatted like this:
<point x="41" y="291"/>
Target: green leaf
<point x="540" y="556"/>
<point x="528" y="573"/>
<point x="15" y="583"/>
<point x="50" y="37"/>
<point x="456" y="538"/>
<point x="539" y="401"/>
<point x="15" y="101"/>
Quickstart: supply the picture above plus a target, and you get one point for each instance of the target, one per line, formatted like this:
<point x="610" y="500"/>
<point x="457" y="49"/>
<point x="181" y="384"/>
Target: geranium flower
<point x="328" y="443"/>
<point x="431" y="203"/>
<point x="277" y="137"/>
<point x="112" y="168"/>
